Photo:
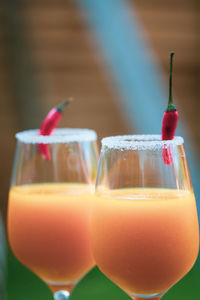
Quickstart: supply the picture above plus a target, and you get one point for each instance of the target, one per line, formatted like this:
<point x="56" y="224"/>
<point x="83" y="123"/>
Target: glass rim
<point x="59" y="135"/>
<point x="139" y="142"/>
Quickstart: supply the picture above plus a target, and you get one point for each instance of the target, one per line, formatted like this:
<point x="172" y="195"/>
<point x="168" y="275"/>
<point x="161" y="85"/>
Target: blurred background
<point x="112" y="57"/>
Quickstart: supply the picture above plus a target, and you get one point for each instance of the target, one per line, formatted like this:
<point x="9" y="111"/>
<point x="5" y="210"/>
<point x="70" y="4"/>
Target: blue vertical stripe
<point x="134" y="70"/>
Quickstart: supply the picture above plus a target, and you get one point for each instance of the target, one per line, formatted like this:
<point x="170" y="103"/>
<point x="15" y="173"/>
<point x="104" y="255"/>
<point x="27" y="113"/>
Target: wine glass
<point x="49" y="208"/>
<point x="145" y="232"/>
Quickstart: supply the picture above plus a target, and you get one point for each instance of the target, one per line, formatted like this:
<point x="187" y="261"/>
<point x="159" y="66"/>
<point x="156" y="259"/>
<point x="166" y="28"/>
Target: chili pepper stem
<point x="171" y="105"/>
<point x="60" y="107"/>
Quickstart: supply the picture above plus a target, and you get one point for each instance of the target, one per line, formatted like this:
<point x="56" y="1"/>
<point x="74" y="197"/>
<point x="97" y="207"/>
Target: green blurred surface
<point x="22" y="284"/>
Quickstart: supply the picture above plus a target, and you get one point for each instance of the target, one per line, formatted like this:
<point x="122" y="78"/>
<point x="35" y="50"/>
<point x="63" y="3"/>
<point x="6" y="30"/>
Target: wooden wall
<point x="47" y="54"/>
<point x="174" y="25"/>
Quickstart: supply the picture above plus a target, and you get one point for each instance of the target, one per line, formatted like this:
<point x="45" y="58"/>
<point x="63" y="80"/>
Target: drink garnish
<point x="49" y="124"/>
<point x="170" y="119"/>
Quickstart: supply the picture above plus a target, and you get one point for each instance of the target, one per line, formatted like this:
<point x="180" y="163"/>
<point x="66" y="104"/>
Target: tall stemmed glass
<point x="145" y="231"/>
<point x="49" y="210"/>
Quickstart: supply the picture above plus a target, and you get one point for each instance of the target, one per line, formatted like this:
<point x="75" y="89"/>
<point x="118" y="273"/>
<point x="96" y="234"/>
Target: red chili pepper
<point x="49" y="124"/>
<point x="170" y="119"/>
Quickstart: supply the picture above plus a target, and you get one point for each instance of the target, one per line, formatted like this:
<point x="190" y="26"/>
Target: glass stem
<point x="62" y="295"/>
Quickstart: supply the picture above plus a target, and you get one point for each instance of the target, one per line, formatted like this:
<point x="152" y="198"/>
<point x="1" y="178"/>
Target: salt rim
<point x="139" y="142"/>
<point x="59" y="135"/>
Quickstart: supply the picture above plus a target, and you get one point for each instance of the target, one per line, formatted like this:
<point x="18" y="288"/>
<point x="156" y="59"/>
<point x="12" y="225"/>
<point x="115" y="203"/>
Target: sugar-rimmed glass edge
<point x="59" y="135"/>
<point x="139" y="142"/>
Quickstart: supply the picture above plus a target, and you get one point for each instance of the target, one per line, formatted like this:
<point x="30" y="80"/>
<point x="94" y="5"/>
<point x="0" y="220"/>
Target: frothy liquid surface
<point x="49" y="229"/>
<point x="145" y="240"/>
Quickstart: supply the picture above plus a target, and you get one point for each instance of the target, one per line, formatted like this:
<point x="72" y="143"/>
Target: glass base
<point x="61" y="295"/>
<point x="147" y="297"/>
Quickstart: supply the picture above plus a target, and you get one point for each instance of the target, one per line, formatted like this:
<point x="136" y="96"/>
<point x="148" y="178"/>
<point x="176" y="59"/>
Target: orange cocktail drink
<point x="145" y="240"/>
<point x="49" y="229"/>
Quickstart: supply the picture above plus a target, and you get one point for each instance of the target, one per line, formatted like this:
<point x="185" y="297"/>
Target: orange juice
<point x="49" y="229"/>
<point x="145" y="240"/>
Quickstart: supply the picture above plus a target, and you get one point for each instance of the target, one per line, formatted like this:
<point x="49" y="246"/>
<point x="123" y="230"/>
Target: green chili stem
<point x="170" y="102"/>
<point x="171" y="106"/>
<point x="61" y="106"/>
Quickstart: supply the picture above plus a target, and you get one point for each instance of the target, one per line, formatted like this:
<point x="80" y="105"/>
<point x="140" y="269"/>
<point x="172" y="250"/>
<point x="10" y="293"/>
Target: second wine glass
<point x="145" y="229"/>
